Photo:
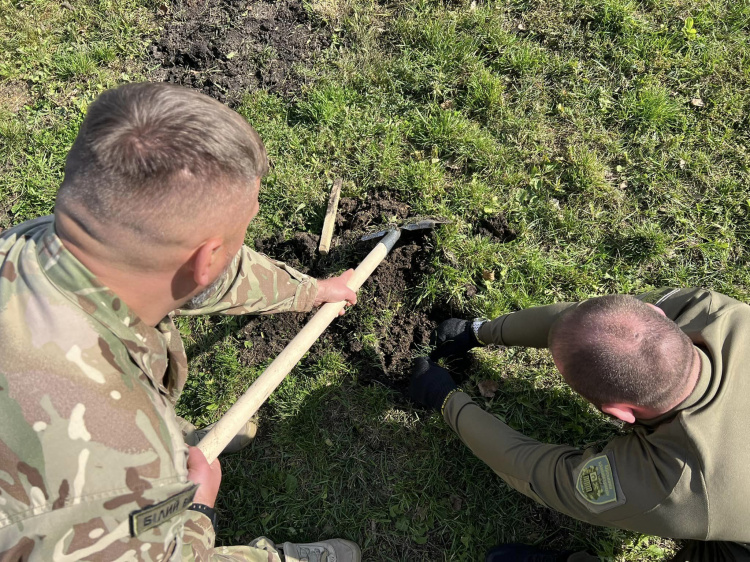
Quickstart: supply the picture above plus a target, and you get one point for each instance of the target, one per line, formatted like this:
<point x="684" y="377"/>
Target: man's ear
<point x="657" y="309"/>
<point x="204" y="259"/>
<point x="620" y="411"/>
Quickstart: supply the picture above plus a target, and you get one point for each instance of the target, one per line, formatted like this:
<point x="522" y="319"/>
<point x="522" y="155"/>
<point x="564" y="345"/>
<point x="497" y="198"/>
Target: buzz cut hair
<point x="617" y="349"/>
<point x="146" y="148"/>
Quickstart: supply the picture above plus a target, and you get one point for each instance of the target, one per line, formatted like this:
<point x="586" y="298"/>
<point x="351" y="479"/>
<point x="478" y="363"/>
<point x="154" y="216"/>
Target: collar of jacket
<point x="147" y="346"/>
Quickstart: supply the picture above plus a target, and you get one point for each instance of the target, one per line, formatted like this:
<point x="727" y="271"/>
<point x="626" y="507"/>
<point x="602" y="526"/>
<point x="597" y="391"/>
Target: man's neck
<point x="695" y="373"/>
<point x="147" y="293"/>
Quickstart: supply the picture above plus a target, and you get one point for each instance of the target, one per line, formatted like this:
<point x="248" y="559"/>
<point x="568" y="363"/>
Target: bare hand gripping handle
<point x="254" y="397"/>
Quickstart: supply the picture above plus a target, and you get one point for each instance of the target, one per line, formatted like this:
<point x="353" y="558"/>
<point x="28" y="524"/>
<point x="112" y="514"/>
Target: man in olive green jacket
<point x="674" y="363"/>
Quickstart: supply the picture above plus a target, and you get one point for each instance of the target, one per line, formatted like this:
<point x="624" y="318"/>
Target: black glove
<point x="430" y="384"/>
<point x="454" y="338"/>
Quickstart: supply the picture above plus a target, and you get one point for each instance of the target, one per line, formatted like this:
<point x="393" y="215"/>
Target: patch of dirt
<point x="380" y="334"/>
<point x="376" y="211"/>
<point x="496" y="227"/>
<point x="226" y="48"/>
<point x="410" y="328"/>
<point x="14" y="94"/>
<point x="300" y="251"/>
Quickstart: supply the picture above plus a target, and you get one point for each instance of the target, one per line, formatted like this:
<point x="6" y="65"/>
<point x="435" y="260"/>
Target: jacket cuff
<point x="492" y="332"/>
<point x="199" y="529"/>
<point x="455" y="405"/>
<point x="304" y="298"/>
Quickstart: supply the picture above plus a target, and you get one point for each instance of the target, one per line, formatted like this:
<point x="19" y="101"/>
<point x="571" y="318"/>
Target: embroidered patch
<point x="154" y="515"/>
<point x="596" y="483"/>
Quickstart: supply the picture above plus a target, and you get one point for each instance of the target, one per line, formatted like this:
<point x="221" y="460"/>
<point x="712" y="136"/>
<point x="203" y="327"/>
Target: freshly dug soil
<point x="226" y="48"/>
<point x="386" y="308"/>
<point x="497" y="228"/>
<point x="372" y="213"/>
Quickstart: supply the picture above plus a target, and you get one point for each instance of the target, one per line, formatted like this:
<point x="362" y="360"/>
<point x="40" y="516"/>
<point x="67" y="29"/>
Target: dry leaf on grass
<point x="488" y="388"/>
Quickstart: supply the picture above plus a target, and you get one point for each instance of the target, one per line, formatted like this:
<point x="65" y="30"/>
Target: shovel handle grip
<point x="254" y="397"/>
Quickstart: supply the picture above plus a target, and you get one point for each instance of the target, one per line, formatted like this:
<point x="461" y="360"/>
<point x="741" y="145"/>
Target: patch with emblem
<point x="597" y="484"/>
<point x="154" y="515"/>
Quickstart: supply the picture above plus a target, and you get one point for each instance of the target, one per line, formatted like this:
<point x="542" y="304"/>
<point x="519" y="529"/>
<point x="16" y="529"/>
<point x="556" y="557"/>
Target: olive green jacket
<point x="683" y="475"/>
<point x="92" y="461"/>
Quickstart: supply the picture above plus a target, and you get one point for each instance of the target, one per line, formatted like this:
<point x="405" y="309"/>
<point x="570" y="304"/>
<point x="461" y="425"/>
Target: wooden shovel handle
<point x="254" y="397"/>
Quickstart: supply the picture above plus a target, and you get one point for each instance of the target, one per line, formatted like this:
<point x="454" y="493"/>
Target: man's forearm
<point x="538" y="470"/>
<point x="256" y="284"/>
<point x="527" y="328"/>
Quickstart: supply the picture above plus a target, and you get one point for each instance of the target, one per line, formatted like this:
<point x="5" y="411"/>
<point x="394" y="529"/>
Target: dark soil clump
<point x="496" y="227"/>
<point x="226" y="48"/>
<point x="268" y="335"/>
<point x="410" y="327"/>
<point x="300" y="251"/>
<point x="397" y="335"/>
<point x="376" y="211"/>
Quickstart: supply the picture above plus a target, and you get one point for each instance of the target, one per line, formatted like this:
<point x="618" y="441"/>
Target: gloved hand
<point x="454" y="338"/>
<point x="430" y="383"/>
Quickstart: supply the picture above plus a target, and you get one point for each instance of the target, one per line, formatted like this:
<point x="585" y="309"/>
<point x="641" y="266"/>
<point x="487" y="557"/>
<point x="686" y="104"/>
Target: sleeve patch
<point x="154" y="515"/>
<point x="597" y="485"/>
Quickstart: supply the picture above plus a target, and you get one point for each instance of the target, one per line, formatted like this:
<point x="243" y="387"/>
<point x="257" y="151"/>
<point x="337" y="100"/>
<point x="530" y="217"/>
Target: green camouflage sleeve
<point x="84" y="449"/>
<point x="255" y="284"/>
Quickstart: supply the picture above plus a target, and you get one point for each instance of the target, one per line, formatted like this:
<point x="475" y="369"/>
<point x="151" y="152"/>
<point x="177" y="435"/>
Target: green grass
<point x="53" y="62"/>
<point x="574" y="118"/>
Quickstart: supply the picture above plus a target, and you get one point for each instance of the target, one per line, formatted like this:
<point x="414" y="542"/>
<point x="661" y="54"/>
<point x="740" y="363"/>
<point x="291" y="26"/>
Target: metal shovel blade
<point x="417" y="225"/>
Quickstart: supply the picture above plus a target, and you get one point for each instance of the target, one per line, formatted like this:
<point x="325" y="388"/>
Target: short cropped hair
<point x="617" y="349"/>
<point x="147" y="147"/>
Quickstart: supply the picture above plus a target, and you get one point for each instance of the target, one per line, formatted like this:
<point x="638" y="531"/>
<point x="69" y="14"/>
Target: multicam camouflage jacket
<point x="92" y="462"/>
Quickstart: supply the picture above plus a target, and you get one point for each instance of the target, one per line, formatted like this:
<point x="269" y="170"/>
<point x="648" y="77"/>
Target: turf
<point x="612" y="134"/>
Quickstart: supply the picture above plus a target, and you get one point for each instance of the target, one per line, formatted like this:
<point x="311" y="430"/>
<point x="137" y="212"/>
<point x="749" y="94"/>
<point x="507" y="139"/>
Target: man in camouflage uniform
<point x="92" y="461"/>
<point x="674" y="364"/>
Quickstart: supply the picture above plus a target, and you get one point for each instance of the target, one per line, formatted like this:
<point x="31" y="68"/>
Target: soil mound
<point x="387" y="328"/>
<point x="496" y="227"/>
<point x="226" y="48"/>
<point x="376" y="211"/>
<point x="382" y="333"/>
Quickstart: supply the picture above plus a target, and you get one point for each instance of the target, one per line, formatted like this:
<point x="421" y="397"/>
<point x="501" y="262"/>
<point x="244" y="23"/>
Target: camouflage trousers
<point x="713" y="551"/>
<point x="259" y="550"/>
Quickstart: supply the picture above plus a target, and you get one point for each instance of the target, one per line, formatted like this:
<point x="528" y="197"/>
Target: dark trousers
<point x="713" y="551"/>
<point x="694" y="551"/>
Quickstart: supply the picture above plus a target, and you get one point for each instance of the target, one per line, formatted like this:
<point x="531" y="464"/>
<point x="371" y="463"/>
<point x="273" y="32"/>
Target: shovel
<point x="254" y="397"/>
